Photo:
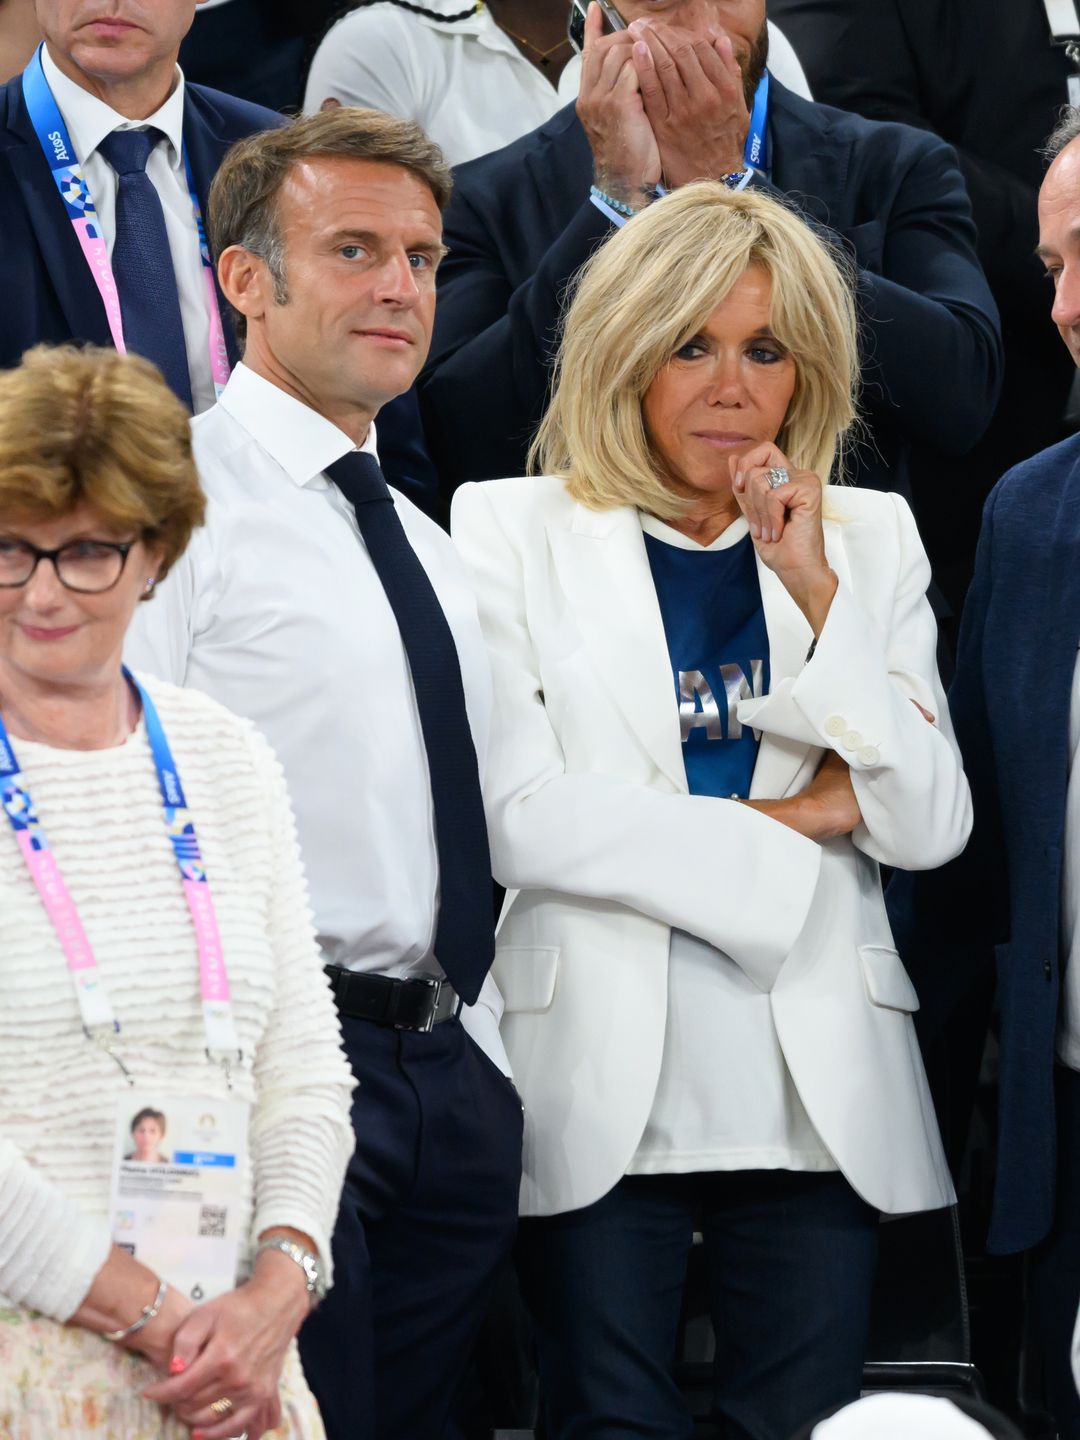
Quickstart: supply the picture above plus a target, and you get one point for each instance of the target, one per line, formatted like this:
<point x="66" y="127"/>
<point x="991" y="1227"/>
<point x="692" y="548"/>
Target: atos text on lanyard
<point x="756" y="150"/>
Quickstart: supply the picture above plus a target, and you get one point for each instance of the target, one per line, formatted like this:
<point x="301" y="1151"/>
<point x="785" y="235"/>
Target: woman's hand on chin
<point x="785" y="526"/>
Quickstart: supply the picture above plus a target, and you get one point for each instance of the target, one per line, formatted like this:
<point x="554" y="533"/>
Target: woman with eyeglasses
<point x="155" y="946"/>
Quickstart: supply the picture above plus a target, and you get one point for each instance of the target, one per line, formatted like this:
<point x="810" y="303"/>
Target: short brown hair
<point x="242" y="208"/>
<point x="91" y="426"/>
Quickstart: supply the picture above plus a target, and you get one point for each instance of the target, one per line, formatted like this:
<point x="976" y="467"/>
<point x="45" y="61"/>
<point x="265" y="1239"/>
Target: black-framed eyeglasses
<point x="89" y="567"/>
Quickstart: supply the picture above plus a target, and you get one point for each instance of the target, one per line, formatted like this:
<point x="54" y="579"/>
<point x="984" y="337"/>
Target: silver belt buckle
<point x="436" y="985"/>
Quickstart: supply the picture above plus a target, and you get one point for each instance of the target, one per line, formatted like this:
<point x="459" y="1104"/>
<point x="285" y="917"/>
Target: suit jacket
<point x="604" y="851"/>
<point x="1010" y="704"/>
<point x="49" y="295"/>
<point x="521" y="224"/>
<point x="987" y="79"/>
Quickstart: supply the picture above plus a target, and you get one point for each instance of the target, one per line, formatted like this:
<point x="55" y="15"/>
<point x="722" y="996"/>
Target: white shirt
<point x="89" y="120"/>
<point x="276" y="611"/>
<point x="465" y="81"/>
<point x="1068" y="1047"/>
<point x="725" y="1099"/>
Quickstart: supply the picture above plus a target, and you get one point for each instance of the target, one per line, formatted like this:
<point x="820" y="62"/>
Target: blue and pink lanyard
<point x="95" y="1007"/>
<point x="52" y="134"/>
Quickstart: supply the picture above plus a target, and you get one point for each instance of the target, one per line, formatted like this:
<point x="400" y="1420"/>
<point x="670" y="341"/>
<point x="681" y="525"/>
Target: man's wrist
<point x="625" y="195"/>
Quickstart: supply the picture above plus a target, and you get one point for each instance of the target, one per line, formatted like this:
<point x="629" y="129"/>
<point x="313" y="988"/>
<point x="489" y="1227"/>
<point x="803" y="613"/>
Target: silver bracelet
<point x="307" y="1261"/>
<point x="149" y="1312"/>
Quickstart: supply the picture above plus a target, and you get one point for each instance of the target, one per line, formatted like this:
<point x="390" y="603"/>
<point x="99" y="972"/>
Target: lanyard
<point x="95" y="1007"/>
<point x="68" y="175"/>
<point x="756" y="153"/>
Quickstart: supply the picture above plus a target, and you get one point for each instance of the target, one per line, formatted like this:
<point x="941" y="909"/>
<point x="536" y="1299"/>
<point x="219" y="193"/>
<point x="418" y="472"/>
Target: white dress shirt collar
<point x="89" y="119"/>
<point x="302" y="441"/>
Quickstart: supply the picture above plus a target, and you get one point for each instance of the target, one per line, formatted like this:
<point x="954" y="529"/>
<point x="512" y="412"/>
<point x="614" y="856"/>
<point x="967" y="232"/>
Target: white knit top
<point x="102" y="813"/>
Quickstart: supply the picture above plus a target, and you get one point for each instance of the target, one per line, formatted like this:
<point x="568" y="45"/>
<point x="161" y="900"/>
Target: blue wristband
<point x="619" y="206"/>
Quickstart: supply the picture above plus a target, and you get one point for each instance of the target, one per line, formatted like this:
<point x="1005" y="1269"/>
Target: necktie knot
<point x="359" y="478"/>
<point x="127" y="151"/>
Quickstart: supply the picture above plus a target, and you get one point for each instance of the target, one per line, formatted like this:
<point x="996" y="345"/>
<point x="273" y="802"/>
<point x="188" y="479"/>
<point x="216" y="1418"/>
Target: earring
<point x="151" y="582"/>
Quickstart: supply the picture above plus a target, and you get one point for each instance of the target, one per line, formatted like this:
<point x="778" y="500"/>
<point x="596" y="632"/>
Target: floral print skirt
<point x="63" y="1383"/>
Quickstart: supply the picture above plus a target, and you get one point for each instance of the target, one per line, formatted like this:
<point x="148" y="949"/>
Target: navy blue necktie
<point x="464" y="934"/>
<point x="142" y="262"/>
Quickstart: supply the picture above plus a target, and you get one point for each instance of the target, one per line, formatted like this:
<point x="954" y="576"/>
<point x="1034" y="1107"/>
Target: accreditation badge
<point x="178" y="1181"/>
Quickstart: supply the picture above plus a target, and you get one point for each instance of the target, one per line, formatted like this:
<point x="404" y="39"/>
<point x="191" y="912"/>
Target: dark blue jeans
<point x="790" y="1261"/>
<point x="427" y="1218"/>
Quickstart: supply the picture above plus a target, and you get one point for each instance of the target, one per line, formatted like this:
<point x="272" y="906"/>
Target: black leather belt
<point x="405" y="1004"/>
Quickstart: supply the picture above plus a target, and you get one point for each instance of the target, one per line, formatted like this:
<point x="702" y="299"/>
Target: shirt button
<point x="869" y="755"/>
<point x="851" y="740"/>
<point x="835" y="725"/>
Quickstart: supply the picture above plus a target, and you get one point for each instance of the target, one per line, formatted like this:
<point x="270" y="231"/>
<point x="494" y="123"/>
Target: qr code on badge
<point x="212" y="1221"/>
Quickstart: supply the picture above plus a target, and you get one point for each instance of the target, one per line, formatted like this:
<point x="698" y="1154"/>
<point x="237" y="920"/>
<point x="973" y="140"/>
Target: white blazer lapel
<point x="604" y="572"/>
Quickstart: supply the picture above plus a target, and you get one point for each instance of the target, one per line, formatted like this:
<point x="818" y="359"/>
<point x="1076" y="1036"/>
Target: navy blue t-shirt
<point x="710" y="602"/>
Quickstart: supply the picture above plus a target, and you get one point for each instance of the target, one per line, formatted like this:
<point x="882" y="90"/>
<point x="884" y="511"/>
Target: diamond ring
<point x="777" y="476"/>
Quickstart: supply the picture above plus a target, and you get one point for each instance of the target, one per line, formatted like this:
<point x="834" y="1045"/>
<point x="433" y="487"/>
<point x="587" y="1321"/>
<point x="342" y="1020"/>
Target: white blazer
<point x="604" y="851"/>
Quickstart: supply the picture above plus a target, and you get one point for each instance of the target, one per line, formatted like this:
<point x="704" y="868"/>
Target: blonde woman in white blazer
<point x="717" y="712"/>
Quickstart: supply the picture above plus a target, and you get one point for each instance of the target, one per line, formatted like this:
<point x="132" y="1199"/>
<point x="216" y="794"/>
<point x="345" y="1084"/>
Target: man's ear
<point x="245" y="282"/>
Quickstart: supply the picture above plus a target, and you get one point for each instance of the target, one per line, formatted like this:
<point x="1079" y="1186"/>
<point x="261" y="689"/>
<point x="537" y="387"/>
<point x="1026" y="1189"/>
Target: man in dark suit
<point x="988" y="80"/>
<point x="521" y="224"/>
<point x="1015" y="703"/>
<point x="111" y="74"/>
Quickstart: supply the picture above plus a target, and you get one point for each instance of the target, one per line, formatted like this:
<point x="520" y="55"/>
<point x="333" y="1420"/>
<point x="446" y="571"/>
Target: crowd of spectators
<point x="550" y="444"/>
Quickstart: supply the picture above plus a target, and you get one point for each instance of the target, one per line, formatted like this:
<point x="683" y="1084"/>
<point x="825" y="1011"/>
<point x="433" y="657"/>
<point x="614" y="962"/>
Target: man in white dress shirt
<point x="339" y="620"/>
<point x="1014" y="895"/>
<point x="141" y="148"/>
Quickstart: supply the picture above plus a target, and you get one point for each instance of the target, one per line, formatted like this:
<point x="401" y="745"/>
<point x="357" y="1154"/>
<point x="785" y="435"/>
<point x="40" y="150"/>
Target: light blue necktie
<point x="142" y="263"/>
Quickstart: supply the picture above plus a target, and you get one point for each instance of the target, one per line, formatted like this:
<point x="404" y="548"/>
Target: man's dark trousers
<point x="428" y="1214"/>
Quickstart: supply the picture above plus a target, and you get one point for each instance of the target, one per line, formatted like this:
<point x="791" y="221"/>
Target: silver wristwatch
<point x="309" y="1263"/>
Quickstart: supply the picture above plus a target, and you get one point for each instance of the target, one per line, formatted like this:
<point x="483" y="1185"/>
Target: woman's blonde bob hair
<point x="91" y="426"/>
<point x="648" y="291"/>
